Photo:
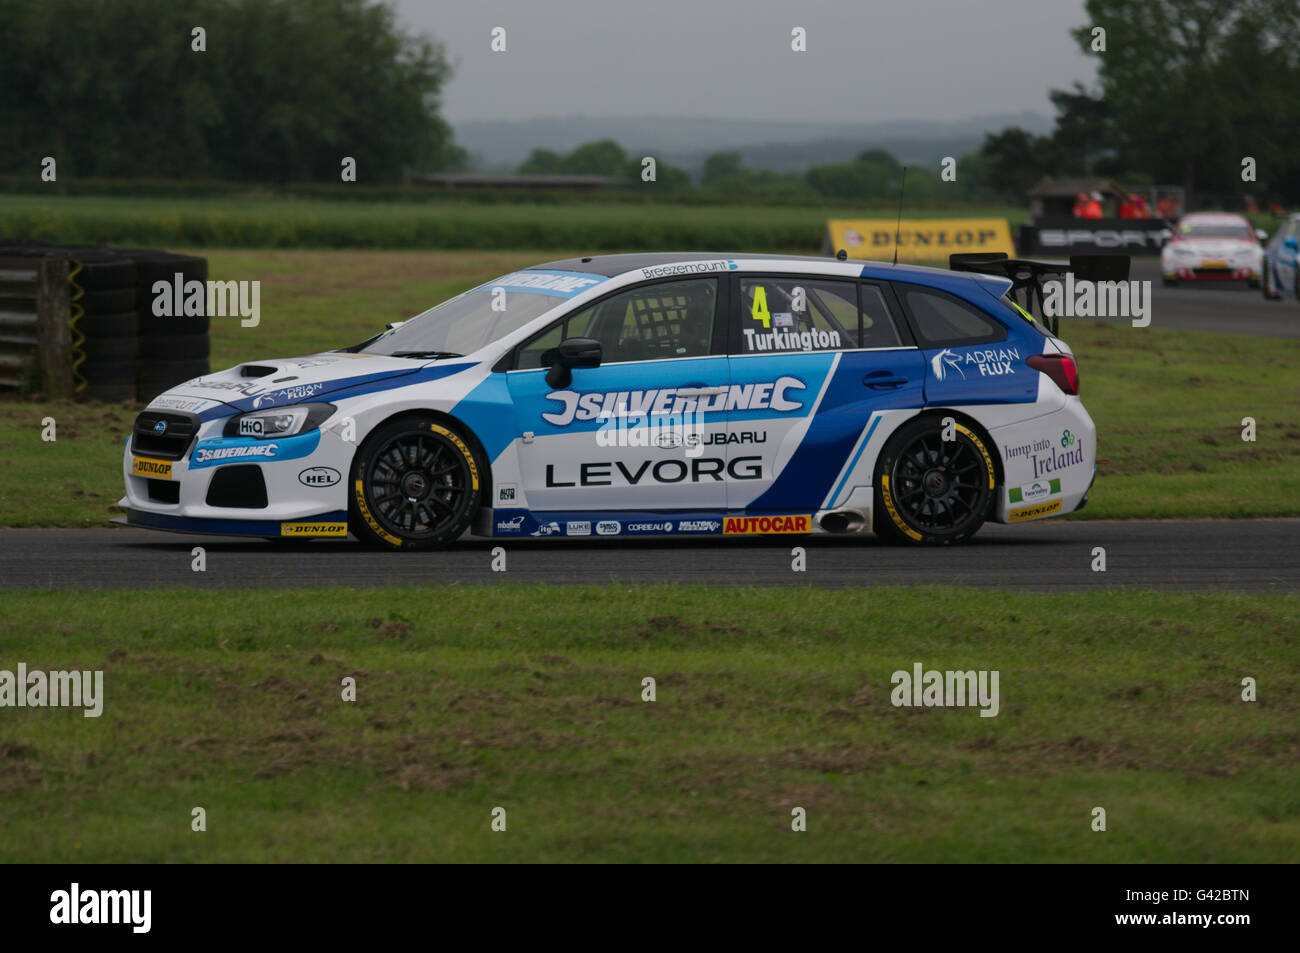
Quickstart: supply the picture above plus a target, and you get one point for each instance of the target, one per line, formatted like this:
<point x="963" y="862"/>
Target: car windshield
<point x="1221" y="230"/>
<point x="479" y="316"/>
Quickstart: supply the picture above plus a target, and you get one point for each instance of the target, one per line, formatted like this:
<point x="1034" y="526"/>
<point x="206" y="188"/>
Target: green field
<point x="625" y="225"/>
<point x="529" y="698"/>
<point x="1168" y="404"/>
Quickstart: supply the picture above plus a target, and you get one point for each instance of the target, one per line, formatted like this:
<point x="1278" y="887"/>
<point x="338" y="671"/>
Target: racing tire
<point x="174" y="347"/>
<point x="108" y="372"/>
<point x="415" y="483"/>
<point x="102" y="272"/>
<point x="158" y="376"/>
<point x="111" y="393"/>
<point x="106" y="350"/>
<point x="933" y="492"/>
<point x="109" y="302"/>
<point x="125" y="324"/>
<point x="153" y="326"/>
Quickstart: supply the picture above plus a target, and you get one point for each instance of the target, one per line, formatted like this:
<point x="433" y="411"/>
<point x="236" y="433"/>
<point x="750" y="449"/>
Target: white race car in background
<point x="1213" y="246"/>
<point x="627" y="395"/>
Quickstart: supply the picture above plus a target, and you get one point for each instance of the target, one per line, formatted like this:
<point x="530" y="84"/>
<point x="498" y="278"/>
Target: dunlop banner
<point x="924" y="240"/>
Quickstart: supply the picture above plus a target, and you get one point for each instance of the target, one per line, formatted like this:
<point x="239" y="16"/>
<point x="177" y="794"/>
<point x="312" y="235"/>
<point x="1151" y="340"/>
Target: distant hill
<point x="500" y="144"/>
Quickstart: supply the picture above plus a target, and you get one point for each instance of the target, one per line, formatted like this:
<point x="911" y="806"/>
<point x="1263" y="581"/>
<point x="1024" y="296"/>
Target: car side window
<point x="797" y="313"/>
<point x="878" y="326"/>
<point x="652" y="322"/>
<point x="783" y="314"/>
<point x="943" y="320"/>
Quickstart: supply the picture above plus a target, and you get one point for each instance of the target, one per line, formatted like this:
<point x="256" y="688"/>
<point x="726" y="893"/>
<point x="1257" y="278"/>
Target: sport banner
<point x="925" y="240"/>
<point x="1090" y="236"/>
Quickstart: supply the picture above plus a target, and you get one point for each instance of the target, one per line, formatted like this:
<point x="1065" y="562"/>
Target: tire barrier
<point x="121" y="349"/>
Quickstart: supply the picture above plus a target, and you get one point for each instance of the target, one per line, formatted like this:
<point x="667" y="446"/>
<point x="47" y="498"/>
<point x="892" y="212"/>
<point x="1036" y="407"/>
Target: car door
<point x="625" y="436"/>
<point x="813" y="361"/>
<point x="1285" y="258"/>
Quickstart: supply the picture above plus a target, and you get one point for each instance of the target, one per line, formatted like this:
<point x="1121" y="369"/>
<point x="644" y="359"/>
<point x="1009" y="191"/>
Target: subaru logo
<point x="160" y="427"/>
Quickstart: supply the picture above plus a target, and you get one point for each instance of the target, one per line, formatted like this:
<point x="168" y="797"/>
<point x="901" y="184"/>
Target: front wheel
<point x="414" y="484"/>
<point x="931" y="491"/>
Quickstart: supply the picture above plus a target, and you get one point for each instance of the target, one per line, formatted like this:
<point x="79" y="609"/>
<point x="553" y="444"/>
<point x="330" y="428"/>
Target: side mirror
<point x="572" y="352"/>
<point x="1261" y="234"/>
<point x="1291" y="243"/>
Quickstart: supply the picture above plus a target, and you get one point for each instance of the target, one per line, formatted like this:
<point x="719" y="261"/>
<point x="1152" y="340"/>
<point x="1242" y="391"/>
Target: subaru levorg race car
<point x="649" y="394"/>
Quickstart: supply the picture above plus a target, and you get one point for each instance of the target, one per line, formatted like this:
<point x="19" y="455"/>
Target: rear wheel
<point x="414" y="484"/>
<point x="931" y="491"/>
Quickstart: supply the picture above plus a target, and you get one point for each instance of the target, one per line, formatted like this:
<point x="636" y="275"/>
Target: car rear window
<point x="943" y="320"/>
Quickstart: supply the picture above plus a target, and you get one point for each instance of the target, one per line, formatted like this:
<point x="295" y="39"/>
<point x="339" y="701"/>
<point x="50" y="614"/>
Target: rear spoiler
<point x="1027" y="274"/>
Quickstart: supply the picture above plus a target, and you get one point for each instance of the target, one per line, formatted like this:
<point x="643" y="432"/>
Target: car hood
<point x="258" y="384"/>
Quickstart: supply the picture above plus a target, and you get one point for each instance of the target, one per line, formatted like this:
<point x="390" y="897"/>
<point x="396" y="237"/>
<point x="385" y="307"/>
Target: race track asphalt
<point x="1244" y="555"/>
<point x="1222" y="307"/>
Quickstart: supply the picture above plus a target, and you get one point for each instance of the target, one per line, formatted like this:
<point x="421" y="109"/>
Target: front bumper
<point x="291" y="486"/>
<point x="1196" y="272"/>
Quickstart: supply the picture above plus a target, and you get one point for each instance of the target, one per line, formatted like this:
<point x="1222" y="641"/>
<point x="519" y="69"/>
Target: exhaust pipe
<point x="843" y="521"/>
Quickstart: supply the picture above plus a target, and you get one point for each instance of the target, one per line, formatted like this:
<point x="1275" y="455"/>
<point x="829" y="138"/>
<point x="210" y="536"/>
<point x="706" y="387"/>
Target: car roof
<point x="613" y="266"/>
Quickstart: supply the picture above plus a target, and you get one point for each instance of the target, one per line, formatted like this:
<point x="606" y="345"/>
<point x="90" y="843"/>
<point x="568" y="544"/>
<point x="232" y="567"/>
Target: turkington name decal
<point x="597" y="405"/>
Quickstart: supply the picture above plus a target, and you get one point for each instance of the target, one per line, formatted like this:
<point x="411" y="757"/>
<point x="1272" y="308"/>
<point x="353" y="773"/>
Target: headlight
<point x="278" y="421"/>
<point x="1185" y="253"/>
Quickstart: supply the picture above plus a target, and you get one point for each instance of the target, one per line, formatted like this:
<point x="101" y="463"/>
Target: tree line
<point x="247" y="90"/>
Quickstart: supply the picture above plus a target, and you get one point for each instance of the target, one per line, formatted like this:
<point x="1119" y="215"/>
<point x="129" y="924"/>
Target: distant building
<point x="1053" y="198"/>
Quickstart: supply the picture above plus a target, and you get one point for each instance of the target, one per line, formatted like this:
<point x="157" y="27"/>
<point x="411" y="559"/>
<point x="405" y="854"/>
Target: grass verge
<point x="530" y="698"/>
<point x="242" y="222"/>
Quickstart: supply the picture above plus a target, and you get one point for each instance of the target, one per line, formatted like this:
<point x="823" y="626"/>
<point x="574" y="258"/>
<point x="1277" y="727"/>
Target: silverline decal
<point x="773" y="395"/>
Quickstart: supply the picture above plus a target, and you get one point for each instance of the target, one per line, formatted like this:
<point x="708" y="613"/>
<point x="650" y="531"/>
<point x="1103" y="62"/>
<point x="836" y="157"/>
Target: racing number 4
<point x="759" y="310"/>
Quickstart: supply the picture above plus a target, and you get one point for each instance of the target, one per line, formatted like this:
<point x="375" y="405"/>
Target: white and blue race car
<point x="648" y="394"/>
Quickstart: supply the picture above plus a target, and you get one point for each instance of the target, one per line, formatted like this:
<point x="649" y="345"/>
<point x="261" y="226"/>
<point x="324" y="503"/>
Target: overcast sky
<point x="867" y="60"/>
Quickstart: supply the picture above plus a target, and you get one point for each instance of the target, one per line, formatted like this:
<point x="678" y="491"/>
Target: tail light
<point x="1060" y="368"/>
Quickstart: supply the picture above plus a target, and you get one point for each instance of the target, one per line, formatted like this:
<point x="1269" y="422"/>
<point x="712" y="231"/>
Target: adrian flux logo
<point x="943" y="360"/>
